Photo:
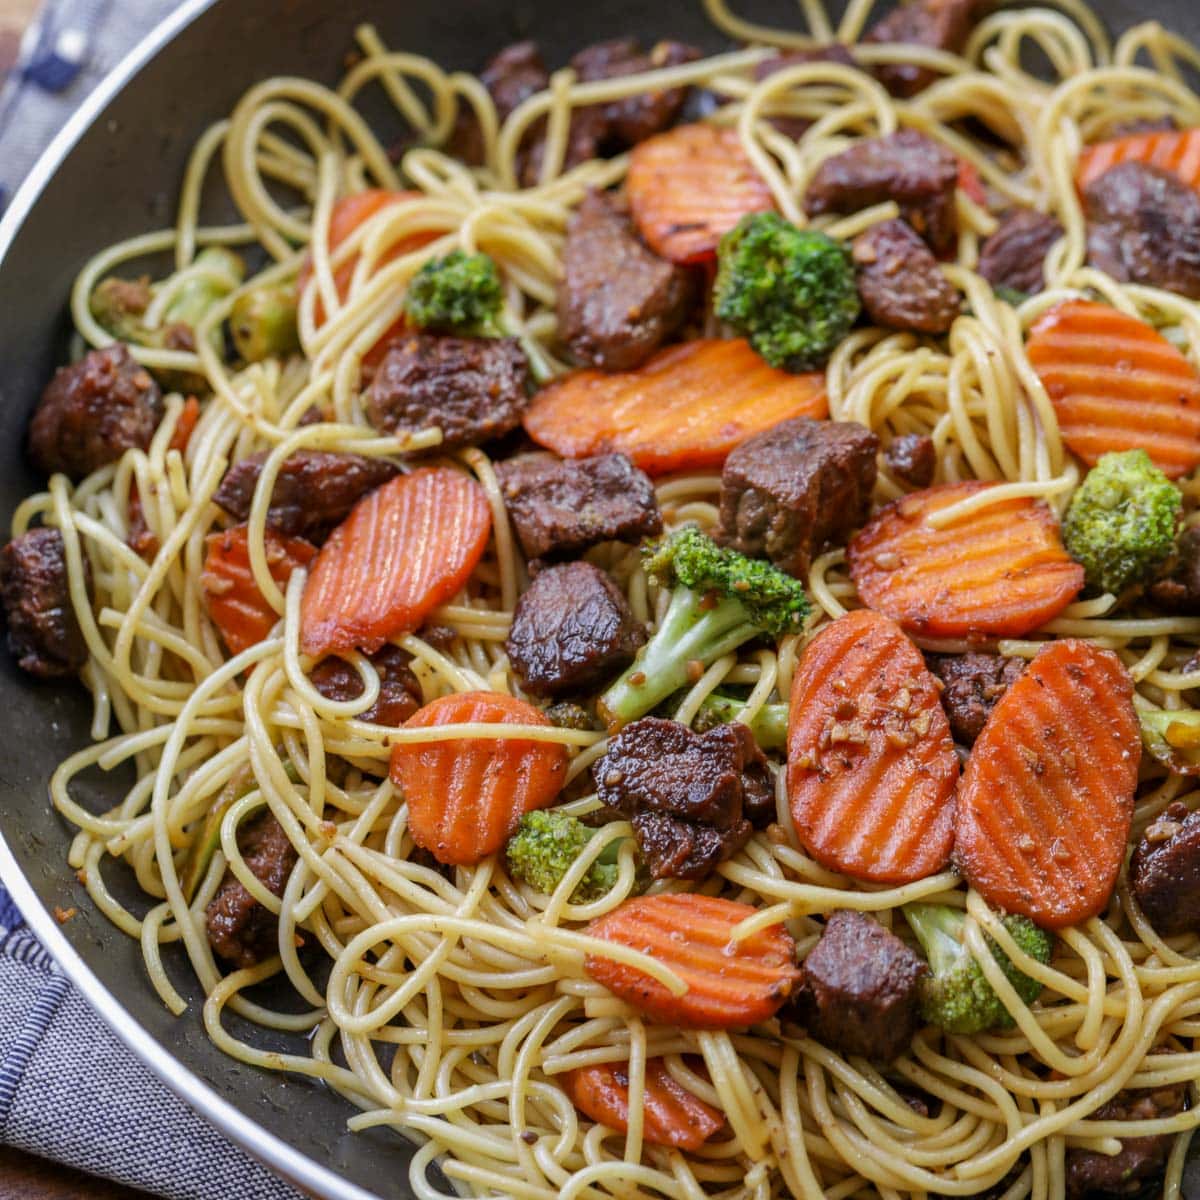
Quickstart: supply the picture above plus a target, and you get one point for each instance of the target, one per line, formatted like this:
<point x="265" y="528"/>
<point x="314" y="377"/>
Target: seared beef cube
<point x="314" y="490"/>
<point x="1091" y="1175"/>
<point x="511" y="77"/>
<point x="1015" y="255"/>
<point x="938" y="24"/>
<point x="690" y="796"/>
<point x="43" y="631"/>
<point x="834" y="52"/>
<point x="473" y="389"/>
<point x="561" y="507"/>
<point x="915" y="171"/>
<point x="797" y="488"/>
<point x="974" y="684"/>
<point x="618" y="301"/>
<point x="1177" y="588"/>
<point x="860" y="989"/>
<point x="900" y="282"/>
<point x="240" y="929"/>
<point x="399" y="692"/>
<point x="572" y="629"/>
<point x="91" y="413"/>
<point x="912" y="458"/>
<point x="1144" y="227"/>
<point x="1164" y="873"/>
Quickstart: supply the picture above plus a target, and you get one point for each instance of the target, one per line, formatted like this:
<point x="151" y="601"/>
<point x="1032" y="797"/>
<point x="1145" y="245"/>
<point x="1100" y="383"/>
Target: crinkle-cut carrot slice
<point x="871" y="763"/>
<point x="1176" y="150"/>
<point x="1117" y="384"/>
<point x="685" y="409"/>
<point x="1000" y="571"/>
<point x="403" y="550"/>
<point x="1046" y="800"/>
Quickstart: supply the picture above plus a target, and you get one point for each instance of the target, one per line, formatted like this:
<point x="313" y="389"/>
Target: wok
<point x="113" y="172"/>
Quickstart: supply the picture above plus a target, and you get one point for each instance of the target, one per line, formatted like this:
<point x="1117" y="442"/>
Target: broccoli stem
<point x="939" y="929"/>
<point x="769" y="726"/>
<point x="539" y="366"/>
<point x="693" y="630"/>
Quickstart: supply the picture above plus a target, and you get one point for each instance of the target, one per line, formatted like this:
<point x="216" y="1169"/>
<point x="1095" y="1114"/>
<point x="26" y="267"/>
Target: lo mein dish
<point x="657" y="598"/>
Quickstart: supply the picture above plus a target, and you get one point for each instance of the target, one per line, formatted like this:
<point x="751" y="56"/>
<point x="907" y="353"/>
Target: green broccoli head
<point x="460" y="293"/>
<point x="956" y="994"/>
<point x="791" y="291"/>
<point x="546" y="845"/>
<point x="1121" y="521"/>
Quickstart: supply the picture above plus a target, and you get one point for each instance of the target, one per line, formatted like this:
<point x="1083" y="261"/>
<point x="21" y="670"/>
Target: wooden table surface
<point x="23" y="1177"/>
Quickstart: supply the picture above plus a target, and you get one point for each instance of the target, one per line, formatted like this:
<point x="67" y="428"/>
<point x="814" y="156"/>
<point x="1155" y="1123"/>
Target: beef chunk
<point x="93" y="412"/>
<point x="912" y="457"/>
<point x="314" y="490"/>
<point x="1144" y="227"/>
<point x="1141" y="1159"/>
<point x="692" y="797"/>
<point x="1014" y="256"/>
<point x="938" y="24"/>
<point x="240" y="929"/>
<point x="900" y="282"/>
<point x="571" y="630"/>
<point x="511" y="77"/>
<point x="473" y="389"/>
<point x="859" y="994"/>
<point x="562" y="507"/>
<point x="918" y="173"/>
<point x="399" y="692"/>
<point x="1178" y="585"/>
<point x="1164" y="873"/>
<point x="617" y="302"/>
<point x="43" y="632"/>
<point x="974" y="684"/>
<point x="796" y="488"/>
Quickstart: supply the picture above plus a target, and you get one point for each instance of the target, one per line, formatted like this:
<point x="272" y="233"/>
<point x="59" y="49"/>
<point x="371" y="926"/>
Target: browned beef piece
<point x="938" y="24"/>
<point x="1144" y="227"/>
<point x="1164" y="873"/>
<point x="691" y="797"/>
<point x="473" y="389"/>
<point x="618" y="301"/>
<point x="1178" y="585"/>
<point x="912" y="457"/>
<point x="240" y="929"/>
<point x="399" y="691"/>
<point x="797" y="488"/>
<point x="900" y="282"/>
<point x="43" y="631"/>
<point x="1091" y="1175"/>
<point x="561" y="507"/>
<point x="314" y="490"/>
<point x="860" y="989"/>
<point x="915" y="171"/>
<point x="572" y="629"/>
<point x="1014" y="256"/>
<point x="834" y="52"/>
<point x="93" y="412"/>
<point x="511" y="76"/>
<point x="974" y="683"/>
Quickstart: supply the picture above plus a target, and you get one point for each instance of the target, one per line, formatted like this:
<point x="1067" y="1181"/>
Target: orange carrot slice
<point x="403" y="550"/>
<point x="237" y="608"/>
<point x="690" y="186"/>
<point x="466" y="796"/>
<point x="729" y="984"/>
<point x="1047" y="796"/>
<point x="1171" y="149"/>
<point x="871" y="763"/>
<point x="687" y="408"/>
<point x="999" y="572"/>
<point x="1117" y="384"/>
<point x="186" y="425"/>
<point x="671" y="1115"/>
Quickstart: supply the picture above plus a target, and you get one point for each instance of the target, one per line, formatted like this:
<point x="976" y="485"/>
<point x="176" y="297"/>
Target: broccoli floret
<point x="546" y="845"/>
<point x="956" y="994"/>
<point x="720" y="599"/>
<point x="462" y="294"/>
<point x="769" y="725"/>
<point x="790" y="291"/>
<point x="1121" y="521"/>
